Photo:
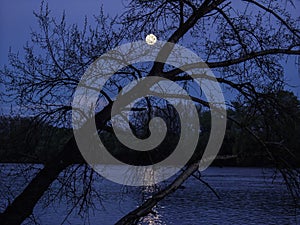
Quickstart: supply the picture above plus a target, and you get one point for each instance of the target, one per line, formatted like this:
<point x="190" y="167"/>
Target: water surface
<point x="247" y="196"/>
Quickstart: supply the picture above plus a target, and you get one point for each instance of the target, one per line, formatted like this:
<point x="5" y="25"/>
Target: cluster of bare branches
<point x="243" y="42"/>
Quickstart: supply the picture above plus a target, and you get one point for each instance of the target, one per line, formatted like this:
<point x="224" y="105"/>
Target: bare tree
<point x="244" y="43"/>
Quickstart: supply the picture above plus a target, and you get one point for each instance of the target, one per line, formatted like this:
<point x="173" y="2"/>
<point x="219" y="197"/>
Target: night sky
<point x="17" y="20"/>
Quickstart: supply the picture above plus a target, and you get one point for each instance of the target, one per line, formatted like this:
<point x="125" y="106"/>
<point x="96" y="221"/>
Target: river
<point x="247" y="196"/>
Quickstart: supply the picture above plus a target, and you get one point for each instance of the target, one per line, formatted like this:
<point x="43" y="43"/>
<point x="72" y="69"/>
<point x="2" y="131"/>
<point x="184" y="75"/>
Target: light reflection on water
<point x="153" y="219"/>
<point x="247" y="197"/>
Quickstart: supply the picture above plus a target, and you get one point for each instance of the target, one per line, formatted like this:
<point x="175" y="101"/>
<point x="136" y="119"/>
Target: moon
<point x="151" y="39"/>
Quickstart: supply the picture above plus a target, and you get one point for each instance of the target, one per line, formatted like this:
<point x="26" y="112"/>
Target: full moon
<point x="151" y="39"/>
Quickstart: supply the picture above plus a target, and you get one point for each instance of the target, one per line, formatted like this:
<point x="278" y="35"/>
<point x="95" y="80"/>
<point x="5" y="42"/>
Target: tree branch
<point x="231" y="62"/>
<point x="148" y="205"/>
<point x="294" y="31"/>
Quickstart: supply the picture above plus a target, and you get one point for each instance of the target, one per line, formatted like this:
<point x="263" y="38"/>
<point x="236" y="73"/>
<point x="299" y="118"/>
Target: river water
<point x="247" y="196"/>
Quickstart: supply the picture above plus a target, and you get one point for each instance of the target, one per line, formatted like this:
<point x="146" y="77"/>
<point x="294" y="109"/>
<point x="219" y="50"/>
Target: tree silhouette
<point x="243" y="43"/>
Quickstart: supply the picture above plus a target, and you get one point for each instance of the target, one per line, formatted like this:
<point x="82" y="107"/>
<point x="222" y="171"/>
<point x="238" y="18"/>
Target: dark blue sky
<point x="16" y="19"/>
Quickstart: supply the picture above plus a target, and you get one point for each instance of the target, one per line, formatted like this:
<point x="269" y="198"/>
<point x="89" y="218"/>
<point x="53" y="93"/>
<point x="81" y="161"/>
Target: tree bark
<point x="23" y="205"/>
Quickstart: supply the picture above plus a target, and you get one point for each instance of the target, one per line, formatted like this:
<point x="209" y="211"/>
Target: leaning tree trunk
<point x="23" y="205"/>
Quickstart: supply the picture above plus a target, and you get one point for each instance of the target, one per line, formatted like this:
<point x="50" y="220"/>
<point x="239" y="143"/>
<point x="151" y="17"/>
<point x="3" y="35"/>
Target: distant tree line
<point x="25" y="140"/>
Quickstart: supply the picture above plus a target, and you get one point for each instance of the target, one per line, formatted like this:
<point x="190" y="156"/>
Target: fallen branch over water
<point x="146" y="208"/>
